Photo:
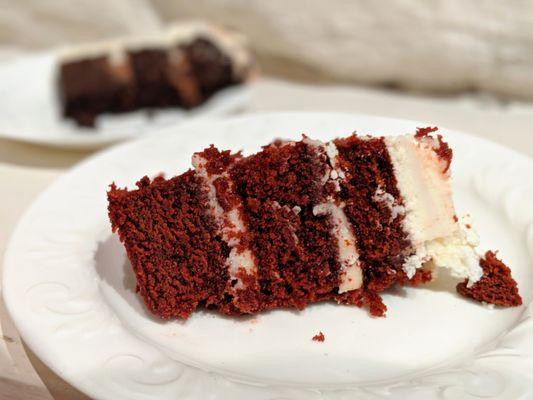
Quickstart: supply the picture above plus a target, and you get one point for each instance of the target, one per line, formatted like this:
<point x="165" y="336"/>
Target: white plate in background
<point x="70" y="292"/>
<point x="31" y="111"/>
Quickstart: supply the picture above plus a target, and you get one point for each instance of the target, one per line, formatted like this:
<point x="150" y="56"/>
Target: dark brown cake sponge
<point x="497" y="286"/>
<point x="171" y="242"/>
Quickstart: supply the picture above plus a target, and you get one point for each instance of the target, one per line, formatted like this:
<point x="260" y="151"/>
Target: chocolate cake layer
<point x="295" y="250"/>
<point x="212" y="69"/>
<point x="495" y="287"/>
<point x="93" y="86"/>
<point x="171" y="242"/>
<point x="152" y="83"/>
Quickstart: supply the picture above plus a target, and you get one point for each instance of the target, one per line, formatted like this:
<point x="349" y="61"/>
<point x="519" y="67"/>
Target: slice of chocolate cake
<point x="180" y="67"/>
<point x="301" y="222"/>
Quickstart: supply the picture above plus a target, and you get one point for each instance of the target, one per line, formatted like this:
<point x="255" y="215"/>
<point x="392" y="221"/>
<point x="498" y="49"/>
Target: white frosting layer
<point x="230" y="223"/>
<point x="231" y="44"/>
<point x="426" y="191"/>
<point x="439" y="241"/>
<point x="456" y="252"/>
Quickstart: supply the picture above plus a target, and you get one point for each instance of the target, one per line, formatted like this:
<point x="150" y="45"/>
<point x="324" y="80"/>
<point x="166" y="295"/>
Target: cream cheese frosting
<point x="351" y="277"/>
<point x="438" y="238"/>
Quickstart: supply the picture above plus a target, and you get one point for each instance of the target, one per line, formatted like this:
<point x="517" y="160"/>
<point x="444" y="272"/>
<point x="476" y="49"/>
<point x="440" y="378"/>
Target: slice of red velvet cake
<point x="301" y="222"/>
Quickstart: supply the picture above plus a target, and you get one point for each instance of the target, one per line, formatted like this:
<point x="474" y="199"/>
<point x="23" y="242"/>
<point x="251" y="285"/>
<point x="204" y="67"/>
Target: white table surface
<point x="26" y="170"/>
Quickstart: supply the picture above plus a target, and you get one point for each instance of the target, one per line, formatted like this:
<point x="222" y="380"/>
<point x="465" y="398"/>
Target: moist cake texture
<point x="301" y="222"/>
<point x="180" y="67"/>
<point x="165" y="230"/>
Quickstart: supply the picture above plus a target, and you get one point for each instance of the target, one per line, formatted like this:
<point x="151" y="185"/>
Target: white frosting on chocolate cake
<point x="351" y="276"/>
<point x="230" y="224"/>
<point x="437" y="238"/>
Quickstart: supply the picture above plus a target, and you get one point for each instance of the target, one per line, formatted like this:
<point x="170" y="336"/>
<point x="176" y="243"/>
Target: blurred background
<point x="438" y="46"/>
<point x="463" y="64"/>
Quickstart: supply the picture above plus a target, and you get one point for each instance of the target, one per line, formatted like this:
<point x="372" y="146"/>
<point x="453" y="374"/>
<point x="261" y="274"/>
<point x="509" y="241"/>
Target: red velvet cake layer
<point x="172" y="244"/>
<point x="279" y="187"/>
<point x="242" y="288"/>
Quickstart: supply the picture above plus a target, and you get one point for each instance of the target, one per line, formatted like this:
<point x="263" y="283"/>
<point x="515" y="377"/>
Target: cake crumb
<point x="319" y="337"/>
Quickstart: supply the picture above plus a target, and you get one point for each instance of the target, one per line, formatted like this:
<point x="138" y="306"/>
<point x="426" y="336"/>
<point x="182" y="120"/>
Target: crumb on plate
<point x="319" y="337"/>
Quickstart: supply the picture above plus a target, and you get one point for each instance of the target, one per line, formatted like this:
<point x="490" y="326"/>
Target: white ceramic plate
<point x="31" y="112"/>
<point x="70" y="291"/>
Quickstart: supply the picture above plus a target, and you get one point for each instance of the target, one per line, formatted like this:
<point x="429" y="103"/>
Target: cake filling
<point x="437" y="240"/>
<point x="351" y="276"/>
<point x="456" y="252"/>
<point x="230" y="223"/>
